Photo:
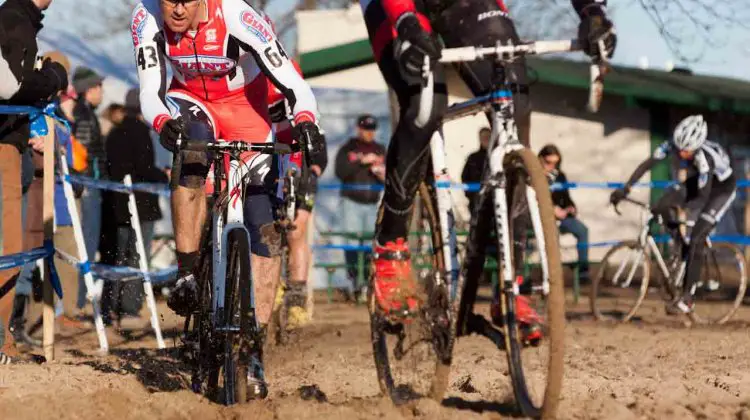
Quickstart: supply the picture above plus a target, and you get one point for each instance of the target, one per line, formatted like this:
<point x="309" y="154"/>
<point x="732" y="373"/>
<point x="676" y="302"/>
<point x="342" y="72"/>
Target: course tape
<point x="119" y="273"/>
<point x="46" y="251"/>
<point x="163" y="189"/>
<point x="734" y="239"/>
<point x="33" y="112"/>
<point x="116" y="273"/>
<point x="159" y="189"/>
<point x="474" y="187"/>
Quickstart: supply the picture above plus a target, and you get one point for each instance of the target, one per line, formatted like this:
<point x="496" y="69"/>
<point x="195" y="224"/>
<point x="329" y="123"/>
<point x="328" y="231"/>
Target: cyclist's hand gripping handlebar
<point x="222" y="146"/>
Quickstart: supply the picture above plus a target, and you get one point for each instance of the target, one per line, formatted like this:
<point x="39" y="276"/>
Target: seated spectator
<point x="472" y="173"/>
<point x="565" y="209"/>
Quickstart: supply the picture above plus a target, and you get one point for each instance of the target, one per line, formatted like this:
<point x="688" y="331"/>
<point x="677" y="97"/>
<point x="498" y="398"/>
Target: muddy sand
<point x="651" y="369"/>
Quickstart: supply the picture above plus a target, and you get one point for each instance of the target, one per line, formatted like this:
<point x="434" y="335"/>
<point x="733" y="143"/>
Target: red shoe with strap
<point x="394" y="285"/>
<point x="529" y="321"/>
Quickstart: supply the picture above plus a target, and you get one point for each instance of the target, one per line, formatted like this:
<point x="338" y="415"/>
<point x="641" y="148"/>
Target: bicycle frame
<point x="223" y="224"/>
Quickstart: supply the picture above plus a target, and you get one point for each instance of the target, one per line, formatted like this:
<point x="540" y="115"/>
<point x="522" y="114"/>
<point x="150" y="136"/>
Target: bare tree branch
<point x="692" y="27"/>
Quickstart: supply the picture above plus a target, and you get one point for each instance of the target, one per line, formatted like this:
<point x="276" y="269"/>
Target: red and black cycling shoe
<point x="529" y="321"/>
<point x="394" y="285"/>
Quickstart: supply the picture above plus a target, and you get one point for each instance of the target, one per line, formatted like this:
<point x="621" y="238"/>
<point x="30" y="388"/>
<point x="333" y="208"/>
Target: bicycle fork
<point x="445" y="212"/>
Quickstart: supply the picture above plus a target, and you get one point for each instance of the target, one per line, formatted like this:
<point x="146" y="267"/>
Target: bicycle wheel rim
<point x="620" y="270"/>
<point x="724" y="263"/>
<point x="402" y="380"/>
<point x="523" y="370"/>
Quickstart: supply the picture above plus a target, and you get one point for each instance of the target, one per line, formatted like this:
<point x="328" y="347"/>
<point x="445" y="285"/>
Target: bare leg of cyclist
<point x="188" y="215"/>
<point x="299" y="263"/>
<point x="266" y="273"/>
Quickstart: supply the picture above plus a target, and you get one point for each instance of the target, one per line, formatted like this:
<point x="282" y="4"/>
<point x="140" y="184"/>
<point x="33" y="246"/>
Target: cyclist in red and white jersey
<point x="300" y="253"/>
<point x="221" y="53"/>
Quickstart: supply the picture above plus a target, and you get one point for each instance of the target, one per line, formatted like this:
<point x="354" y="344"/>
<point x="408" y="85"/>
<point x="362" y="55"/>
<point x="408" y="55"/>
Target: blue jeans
<point x="357" y="217"/>
<point x="91" y="224"/>
<point x="23" y="284"/>
<point x="581" y="232"/>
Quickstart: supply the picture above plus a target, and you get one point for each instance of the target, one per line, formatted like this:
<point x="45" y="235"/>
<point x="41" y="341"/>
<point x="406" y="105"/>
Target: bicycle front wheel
<point x="242" y="342"/>
<point x="413" y="358"/>
<point x="621" y="283"/>
<point x="535" y="361"/>
<point x="722" y="285"/>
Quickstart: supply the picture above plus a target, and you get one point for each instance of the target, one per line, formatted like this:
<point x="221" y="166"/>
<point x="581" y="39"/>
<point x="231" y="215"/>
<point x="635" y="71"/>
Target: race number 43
<point x="146" y="57"/>
<point x="274" y="53"/>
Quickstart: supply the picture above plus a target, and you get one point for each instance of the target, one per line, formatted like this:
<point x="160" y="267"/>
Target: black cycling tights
<point x="408" y="152"/>
<point x="693" y="252"/>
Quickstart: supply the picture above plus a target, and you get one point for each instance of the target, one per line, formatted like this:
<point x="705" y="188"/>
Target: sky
<point x="638" y="37"/>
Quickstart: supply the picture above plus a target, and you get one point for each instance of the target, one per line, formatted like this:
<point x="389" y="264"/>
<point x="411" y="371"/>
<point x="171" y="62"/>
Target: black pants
<point x="710" y="214"/>
<point x="461" y="24"/>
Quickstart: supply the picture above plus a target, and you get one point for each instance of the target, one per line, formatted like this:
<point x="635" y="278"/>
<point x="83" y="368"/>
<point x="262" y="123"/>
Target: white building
<point x="640" y="107"/>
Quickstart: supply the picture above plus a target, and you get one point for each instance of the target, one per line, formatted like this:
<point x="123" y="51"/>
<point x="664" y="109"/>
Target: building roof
<point x="674" y="88"/>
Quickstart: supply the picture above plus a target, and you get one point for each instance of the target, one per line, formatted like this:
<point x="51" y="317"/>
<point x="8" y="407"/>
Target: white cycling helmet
<point x="691" y="133"/>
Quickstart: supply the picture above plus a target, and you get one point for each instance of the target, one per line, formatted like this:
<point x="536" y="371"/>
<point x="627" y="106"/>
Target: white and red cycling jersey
<point x="226" y="64"/>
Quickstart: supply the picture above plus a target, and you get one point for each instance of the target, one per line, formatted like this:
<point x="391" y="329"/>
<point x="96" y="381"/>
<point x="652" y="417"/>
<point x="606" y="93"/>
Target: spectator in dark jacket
<point x="360" y="161"/>
<point x="20" y="84"/>
<point x="86" y="129"/>
<point x="565" y="209"/>
<point x="129" y="151"/>
<point x="474" y="166"/>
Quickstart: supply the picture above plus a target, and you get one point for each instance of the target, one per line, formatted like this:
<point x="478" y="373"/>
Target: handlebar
<point x="632" y="201"/>
<point x="598" y="69"/>
<point x="224" y="146"/>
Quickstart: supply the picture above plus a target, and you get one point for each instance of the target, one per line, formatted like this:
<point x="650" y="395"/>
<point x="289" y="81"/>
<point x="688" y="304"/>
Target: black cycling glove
<point x="307" y="131"/>
<point x="594" y="27"/>
<point x="618" y="195"/>
<point x="414" y="44"/>
<point x="171" y="132"/>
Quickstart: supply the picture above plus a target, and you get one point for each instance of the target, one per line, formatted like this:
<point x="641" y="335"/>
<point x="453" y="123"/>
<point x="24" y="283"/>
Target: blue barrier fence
<point x="48" y="250"/>
<point x="735" y="239"/>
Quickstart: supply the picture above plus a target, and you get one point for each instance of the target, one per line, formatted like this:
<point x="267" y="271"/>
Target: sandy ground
<point x="651" y="369"/>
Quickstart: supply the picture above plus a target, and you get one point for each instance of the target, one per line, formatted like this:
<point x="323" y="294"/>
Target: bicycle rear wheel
<point x="413" y="358"/>
<point x="536" y="367"/>
<point x="722" y="286"/>
<point x="621" y="283"/>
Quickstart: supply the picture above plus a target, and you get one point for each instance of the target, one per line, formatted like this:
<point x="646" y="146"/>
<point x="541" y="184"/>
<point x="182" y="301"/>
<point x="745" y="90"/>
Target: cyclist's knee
<point x="195" y="165"/>
<point x="269" y="243"/>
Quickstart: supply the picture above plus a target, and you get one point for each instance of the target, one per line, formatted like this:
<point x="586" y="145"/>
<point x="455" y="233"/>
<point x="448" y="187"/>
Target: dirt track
<point x="654" y="369"/>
